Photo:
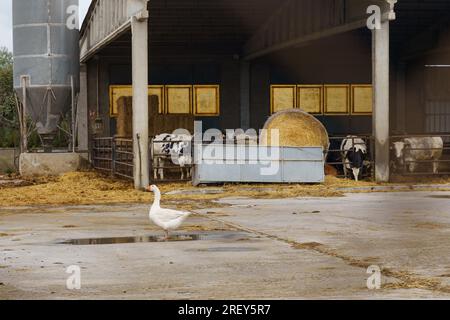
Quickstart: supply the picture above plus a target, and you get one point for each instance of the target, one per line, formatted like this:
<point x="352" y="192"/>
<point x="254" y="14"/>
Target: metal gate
<point x="437" y="117"/>
<point x="113" y="156"/>
<point x="102" y="154"/>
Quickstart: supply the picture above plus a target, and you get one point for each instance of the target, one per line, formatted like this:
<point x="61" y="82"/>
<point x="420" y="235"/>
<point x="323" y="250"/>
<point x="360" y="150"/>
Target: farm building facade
<point x="231" y="64"/>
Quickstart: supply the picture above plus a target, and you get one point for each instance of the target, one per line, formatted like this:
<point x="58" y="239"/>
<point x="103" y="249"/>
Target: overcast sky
<point x="6" y="20"/>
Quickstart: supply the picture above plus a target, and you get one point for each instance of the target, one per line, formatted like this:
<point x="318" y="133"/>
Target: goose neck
<point x="157" y="200"/>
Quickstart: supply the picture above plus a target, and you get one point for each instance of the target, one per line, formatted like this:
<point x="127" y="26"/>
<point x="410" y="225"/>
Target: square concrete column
<point x="139" y="26"/>
<point x="245" y="94"/>
<point x="82" y="114"/>
<point x="380" y="63"/>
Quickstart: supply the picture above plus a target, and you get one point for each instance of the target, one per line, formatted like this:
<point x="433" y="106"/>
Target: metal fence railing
<point x="123" y="158"/>
<point x="102" y="154"/>
<point x="334" y="155"/>
<point x="113" y="156"/>
<point x="419" y="156"/>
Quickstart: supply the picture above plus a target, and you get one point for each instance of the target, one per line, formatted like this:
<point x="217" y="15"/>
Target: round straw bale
<point x="296" y="129"/>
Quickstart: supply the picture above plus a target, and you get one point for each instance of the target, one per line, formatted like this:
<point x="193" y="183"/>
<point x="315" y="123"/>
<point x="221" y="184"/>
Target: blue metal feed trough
<point x="258" y="164"/>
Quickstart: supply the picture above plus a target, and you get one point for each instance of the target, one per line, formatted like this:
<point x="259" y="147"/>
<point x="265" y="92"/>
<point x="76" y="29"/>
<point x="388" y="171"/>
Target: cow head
<point x="399" y="147"/>
<point x="356" y="158"/>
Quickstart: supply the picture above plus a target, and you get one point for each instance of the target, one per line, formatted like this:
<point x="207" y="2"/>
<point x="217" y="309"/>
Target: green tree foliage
<point x="6" y="57"/>
<point x="9" y="135"/>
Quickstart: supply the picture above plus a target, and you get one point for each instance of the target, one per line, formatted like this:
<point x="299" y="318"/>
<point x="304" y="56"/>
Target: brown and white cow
<point x="410" y="152"/>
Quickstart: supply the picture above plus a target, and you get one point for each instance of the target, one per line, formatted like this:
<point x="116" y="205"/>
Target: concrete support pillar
<point x="83" y="114"/>
<point x="380" y="62"/>
<point x="245" y="94"/>
<point x="139" y="27"/>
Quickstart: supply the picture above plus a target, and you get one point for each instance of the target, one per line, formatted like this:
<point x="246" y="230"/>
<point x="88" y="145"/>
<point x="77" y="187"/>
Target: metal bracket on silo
<point x="25" y="82"/>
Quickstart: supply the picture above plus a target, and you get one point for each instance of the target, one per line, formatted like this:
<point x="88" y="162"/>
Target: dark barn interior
<point x="200" y="42"/>
<point x="248" y="47"/>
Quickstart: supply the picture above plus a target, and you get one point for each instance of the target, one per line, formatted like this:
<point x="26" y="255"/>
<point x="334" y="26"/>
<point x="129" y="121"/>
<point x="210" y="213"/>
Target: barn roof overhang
<point x="248" y="28"/>
<point x="176" y="24"/>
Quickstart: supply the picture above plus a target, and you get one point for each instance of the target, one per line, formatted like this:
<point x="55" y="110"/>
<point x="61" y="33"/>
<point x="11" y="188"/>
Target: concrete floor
<point x="335" y="239"/>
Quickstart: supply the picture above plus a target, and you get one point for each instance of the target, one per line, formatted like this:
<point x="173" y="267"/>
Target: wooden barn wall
<point x="343" y="59"/>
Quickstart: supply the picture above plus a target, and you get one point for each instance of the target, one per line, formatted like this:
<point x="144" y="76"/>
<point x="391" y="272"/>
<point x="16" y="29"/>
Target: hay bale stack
<point x="124" y="126"/>
<point x="157" y="123"/>
<point x="297" y="129"/>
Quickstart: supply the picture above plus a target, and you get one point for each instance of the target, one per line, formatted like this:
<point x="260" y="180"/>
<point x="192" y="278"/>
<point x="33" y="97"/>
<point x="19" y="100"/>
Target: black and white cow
<point x="410" y="151"/>
<point x="160" y="153"/>
<point x="354" y="152"/>
<point x="181" y="153"/>
<point x="171" y="148"/>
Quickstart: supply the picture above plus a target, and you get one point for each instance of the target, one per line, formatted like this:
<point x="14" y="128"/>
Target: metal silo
<point x="46" y="60"/>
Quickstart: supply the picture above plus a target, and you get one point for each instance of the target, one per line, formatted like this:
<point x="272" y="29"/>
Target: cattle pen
<point x="115" y="157"/>
<point x="425" y="166"/>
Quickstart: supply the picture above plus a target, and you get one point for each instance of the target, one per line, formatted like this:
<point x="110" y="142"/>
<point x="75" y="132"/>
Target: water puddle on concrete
<point x="147" y="239"/>
<point x="440" y="196"/>
<point x="231" y="249"/>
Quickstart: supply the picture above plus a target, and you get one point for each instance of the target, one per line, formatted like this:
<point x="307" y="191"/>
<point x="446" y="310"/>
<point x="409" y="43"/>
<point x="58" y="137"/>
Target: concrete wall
<point x="51" y="164"/>
<point x="8" y="159"/>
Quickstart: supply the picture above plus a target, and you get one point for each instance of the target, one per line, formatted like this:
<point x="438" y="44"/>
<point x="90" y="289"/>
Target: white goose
<point x="167" y="219"/>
